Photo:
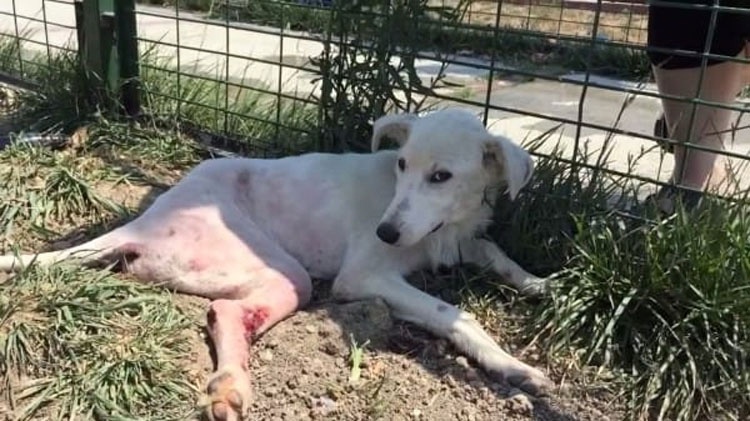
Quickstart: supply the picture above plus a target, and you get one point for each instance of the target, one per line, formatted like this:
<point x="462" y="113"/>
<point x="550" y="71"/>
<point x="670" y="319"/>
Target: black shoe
<point x="661" y="130"/>
<point x="668" y="198"/>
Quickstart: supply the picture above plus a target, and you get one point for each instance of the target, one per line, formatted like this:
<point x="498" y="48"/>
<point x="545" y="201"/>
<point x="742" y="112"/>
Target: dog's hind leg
<point x="233" y="324"/>
<point x="90" y="252"/>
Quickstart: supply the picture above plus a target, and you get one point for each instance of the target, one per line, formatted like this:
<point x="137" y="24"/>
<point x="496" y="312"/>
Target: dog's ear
<point x="509" y="161"/>
<point x="394" y="126"/>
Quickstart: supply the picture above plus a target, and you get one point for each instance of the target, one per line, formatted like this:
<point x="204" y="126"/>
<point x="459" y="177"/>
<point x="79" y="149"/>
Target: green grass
<point x="356" y="356"/>
<point x="536" y="229"/>
<point x="203" y="5"/>
<point x="255" y="120"/>
<point x="536" y="51"/>
<point x="8" y="55"/>
<point x="661" y="300"/>
<point x="141" y="151"/>
<point x="262" y="121"/>
<point x="665" y="302"/>
<point x="43" y="191"/>
<point x="45" y="188"/>
<point x="85" y="344"/>
<point x="82" y="344"/>
<point x="60" y="102"/>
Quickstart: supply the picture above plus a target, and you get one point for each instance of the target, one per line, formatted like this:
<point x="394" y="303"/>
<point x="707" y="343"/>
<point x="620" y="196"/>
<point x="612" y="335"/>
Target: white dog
<point x="249" y="234"/>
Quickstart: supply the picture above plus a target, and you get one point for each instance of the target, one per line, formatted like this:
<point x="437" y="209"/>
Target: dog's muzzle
<point x="388" y="233"/>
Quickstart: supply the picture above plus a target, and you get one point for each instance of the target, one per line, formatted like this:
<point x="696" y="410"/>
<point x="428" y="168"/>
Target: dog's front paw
<point x="532" y="381"/>
<point x="534" y="286"/>
<point x="229" y="394"/>
<point x="527" y="379"/>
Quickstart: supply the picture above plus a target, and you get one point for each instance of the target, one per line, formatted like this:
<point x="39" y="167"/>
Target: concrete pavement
<point x="245" y="44"/>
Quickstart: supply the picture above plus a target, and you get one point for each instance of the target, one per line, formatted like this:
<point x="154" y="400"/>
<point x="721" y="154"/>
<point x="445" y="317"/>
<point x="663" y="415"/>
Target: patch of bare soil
<point x="301" y="370"/>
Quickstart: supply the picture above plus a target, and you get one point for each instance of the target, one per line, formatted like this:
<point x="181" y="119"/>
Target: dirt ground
<point x="302" y="368"/>
<point x="301" y="371"/>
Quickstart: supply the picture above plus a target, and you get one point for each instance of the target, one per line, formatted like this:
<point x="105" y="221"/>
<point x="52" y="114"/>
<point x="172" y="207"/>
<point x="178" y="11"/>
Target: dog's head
<point x="446" y="162"/>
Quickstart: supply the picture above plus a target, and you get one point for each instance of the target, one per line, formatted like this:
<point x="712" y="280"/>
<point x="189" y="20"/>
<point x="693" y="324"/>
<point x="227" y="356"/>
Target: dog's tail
<point x="90" y="252"/>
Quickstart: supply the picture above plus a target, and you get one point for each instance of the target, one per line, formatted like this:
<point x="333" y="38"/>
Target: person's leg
<point x="710" y="126"/>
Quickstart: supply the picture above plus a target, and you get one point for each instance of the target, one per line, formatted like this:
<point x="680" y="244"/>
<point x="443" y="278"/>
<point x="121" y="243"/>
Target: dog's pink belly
<point x="195" y="252"/>
<point x="231" y="220"/>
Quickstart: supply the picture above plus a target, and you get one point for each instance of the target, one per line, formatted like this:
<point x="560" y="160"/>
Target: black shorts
<point x="687" y="30"/>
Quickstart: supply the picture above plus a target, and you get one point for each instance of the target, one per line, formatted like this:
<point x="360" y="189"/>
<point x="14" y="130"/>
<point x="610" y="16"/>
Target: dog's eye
<point x="440" y="176"/>
<point x="401" y="164"/>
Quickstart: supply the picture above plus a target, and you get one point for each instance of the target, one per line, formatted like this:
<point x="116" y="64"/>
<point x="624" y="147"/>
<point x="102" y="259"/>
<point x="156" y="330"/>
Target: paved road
<point x="549" y="98"/>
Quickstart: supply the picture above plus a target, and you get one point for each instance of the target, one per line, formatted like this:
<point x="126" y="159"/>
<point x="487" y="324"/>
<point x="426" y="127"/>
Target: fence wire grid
<point x="285" y="76"/>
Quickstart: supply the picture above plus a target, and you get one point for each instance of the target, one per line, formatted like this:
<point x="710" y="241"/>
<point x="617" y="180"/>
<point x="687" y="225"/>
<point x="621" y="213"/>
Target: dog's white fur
<point x="324" y="210"/>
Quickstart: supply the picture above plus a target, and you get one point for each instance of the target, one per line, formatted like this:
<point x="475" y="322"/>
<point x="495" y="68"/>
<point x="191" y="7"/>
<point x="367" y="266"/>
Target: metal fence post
<point x="80" y="34"/>
<point x="127" y="43"/>
<point x="109" y="51"/>
<point x="98" y="48"/>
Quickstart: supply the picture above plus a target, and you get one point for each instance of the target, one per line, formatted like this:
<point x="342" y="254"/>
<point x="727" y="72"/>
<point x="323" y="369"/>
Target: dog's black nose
<point x="388" y="233"/>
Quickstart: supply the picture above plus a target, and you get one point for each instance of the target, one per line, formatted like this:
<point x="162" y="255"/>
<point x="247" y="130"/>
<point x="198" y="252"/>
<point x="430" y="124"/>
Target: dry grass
<point x="555" y="19"/>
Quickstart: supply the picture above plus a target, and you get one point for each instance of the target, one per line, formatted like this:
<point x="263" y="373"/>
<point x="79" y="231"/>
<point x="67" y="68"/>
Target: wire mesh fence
<point x="572" y="79"/>
<point x="32" y="33"/>
<point x="283" y="76"/>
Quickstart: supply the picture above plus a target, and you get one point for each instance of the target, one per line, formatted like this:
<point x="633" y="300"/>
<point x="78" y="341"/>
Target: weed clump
<point x="96" y="346"/>
<point x="665" y="302"/>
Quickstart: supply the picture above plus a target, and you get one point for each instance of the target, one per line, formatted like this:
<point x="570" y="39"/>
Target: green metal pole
<point x="127" y="43"/>
<point x="78" y="8"/>
<point x="110" y="52"/>
<point x="99" y="49"/>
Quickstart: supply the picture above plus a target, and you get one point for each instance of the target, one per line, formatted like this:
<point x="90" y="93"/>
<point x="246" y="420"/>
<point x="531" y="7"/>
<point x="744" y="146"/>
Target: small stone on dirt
<point x="272" y="344"/>
<point x="469" y="413"/>
<point x="330" y="348"/>
<point x="322" y="406"/>
<point x="290" y="414"/>
<point x="266" y="355"/>
<point x="462" y="361"/>
<point x="271" y="391"/>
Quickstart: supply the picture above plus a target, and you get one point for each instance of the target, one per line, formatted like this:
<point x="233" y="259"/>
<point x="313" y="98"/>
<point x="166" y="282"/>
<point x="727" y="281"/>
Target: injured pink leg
<point x="233" y="325"/>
